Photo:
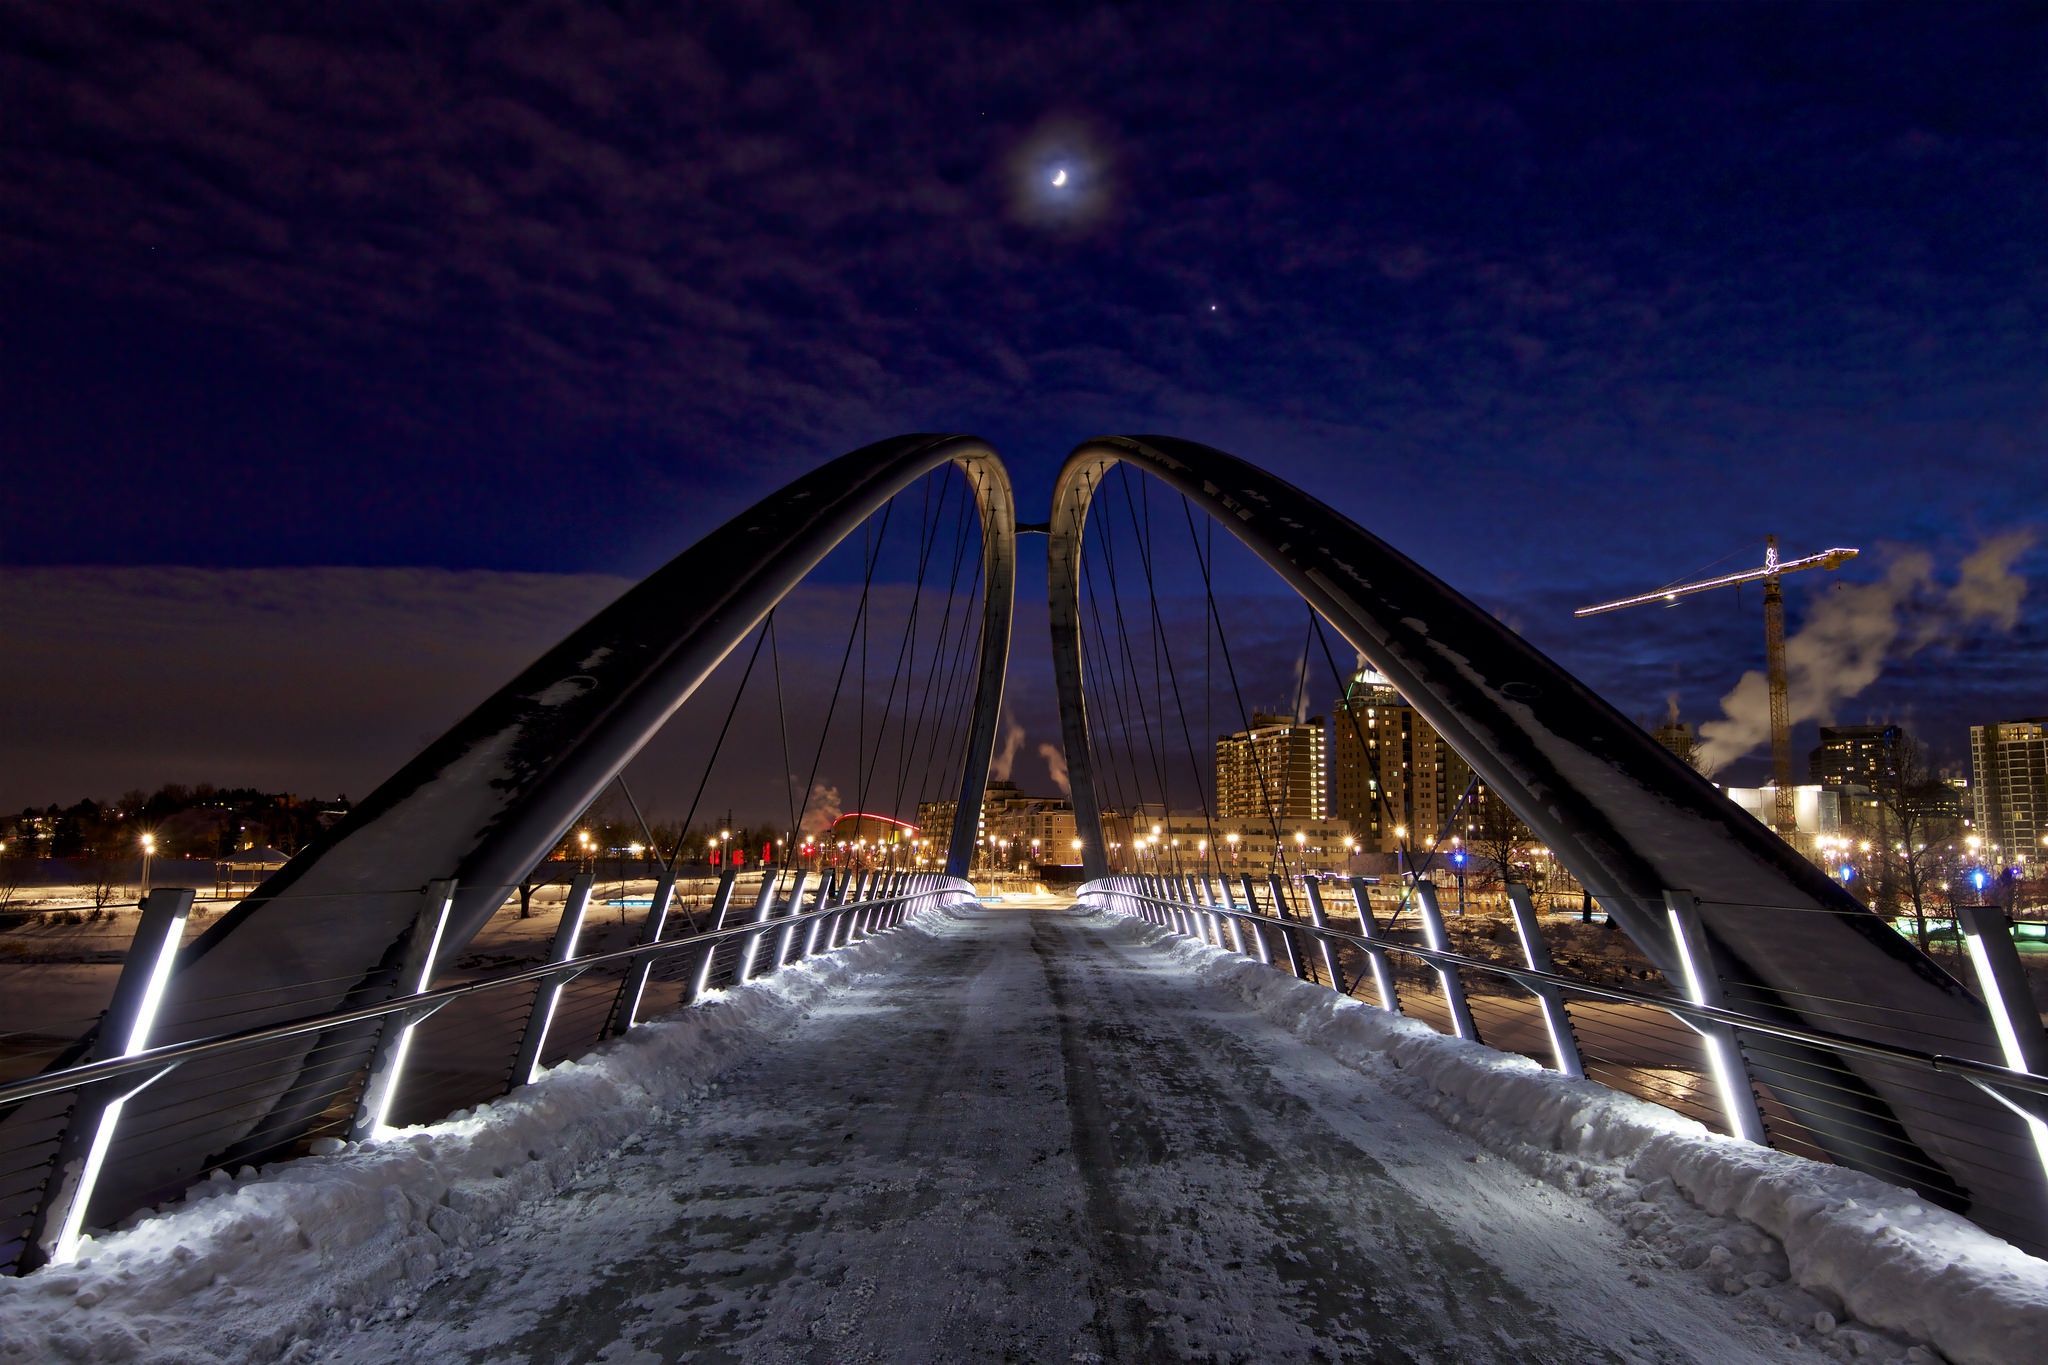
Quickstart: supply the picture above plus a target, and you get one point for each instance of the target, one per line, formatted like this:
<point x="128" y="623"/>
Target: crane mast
<point x="1781" y="703"/>
<point x="1784" y="816"/>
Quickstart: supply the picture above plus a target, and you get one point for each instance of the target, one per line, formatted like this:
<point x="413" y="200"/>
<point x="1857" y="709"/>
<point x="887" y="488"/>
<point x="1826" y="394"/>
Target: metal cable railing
<point x="1651" y="1041"/>
<point x="412" y="1057"/>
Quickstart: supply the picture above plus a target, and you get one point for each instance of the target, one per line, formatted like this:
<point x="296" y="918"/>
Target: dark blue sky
<point x="1566" y="301"/>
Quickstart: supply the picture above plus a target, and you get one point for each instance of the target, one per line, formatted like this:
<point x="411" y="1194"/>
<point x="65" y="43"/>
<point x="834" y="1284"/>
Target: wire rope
<point x="870" y="552"/>
<point x="723" y="730"/>
<point x="1165" y="652"/>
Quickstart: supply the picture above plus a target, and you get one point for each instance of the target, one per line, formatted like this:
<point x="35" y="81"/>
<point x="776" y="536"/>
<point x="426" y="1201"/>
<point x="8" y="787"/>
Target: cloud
<point x="309" y="680"/>
<point x="324" y="681"/>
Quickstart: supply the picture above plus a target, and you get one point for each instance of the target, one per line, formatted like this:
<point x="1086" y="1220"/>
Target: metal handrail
<point x="173" y="1054"/>
<point x="1966" y="1067"/>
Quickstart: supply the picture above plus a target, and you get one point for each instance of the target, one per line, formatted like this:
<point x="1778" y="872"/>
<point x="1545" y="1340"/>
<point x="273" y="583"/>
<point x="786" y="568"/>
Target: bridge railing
<point x="1685" y="1047"/>
<point x="68" y="1120"/>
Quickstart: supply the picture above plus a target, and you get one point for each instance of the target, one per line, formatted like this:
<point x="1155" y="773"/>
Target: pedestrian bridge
<point x="422" y="1095"/>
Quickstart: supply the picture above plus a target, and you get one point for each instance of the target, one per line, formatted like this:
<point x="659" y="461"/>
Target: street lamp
<point x="148" y="851"/>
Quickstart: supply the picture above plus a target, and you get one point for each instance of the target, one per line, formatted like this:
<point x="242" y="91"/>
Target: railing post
<point x="1382" y="972"/>
<point x="1987" y="934"/>
<point x="828" y="925"/>
<point x="1316" y="917"/>
<point x="1278" y="885"/>
<point x="1251" y="907"/>
<point x="870" y="892"/>
<point x="540" y="1017"/>
<point x="1206" y="917"/>
<point x="394" y="1035"/>
<point x="1454" y="985"/>
<point x="842" y="923"/>
<point x="1564" y="1045"/>
<point x="764" y="906"/>
<point x="856" y="897"/>
<point x="626" y="1012"/>
<point x="1703" y="987"/>
<point x="96" y="1112"/>
<point x="1231" y="921"/>
<point x="795" y="908"/>
<point x="721" y="902"/>
<point x="819" y="923"/>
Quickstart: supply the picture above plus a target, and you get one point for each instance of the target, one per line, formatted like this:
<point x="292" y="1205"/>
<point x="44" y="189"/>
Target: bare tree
<point x="104" y="882"/>
<point x="1913" y="834"/>
<point x="13" y="867"/>
<point x="1497" y="835"/>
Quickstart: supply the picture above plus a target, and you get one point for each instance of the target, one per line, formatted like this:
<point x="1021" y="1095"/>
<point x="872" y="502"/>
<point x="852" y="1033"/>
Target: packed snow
<point x="1815" y="1246"/>
<point x="1028" y="1133"/>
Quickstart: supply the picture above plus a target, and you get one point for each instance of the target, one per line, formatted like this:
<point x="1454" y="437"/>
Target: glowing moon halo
<point x="1059" y="177"/>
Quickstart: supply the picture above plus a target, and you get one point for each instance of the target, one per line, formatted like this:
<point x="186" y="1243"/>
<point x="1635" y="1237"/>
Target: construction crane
<point x="1774" y="649"/>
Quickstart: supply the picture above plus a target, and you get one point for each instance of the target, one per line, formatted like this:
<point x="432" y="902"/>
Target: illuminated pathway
<point x="1036" y="1140"/>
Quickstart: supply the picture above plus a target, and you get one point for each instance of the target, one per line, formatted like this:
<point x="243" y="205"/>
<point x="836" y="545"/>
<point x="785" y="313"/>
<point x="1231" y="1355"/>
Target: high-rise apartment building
<point x="1272" y="771"/>
<point x="1676" y="736"/>
<point x="1855" y="756"/>
<point x="2009" y="779"/>
<point x="1395" y="777"/>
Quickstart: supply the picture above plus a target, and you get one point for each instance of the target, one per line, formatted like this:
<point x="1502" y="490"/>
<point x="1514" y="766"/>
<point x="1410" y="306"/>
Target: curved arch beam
<point x="488" y="800"/>
<point x="1624" y="814"/>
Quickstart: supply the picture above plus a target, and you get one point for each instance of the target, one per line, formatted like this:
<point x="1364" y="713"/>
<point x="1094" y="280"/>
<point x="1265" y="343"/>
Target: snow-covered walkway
<point x="1038" y="1139"/>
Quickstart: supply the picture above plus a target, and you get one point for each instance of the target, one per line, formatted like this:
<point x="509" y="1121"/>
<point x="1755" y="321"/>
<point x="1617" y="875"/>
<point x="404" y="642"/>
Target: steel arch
<point x="1625" y="815"/>
<point x="485" y="802"/>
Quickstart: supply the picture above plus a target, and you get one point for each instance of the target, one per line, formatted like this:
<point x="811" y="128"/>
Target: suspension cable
<point x="705" y="780"/>
<point x="1223" y="642"/>
<point x="845" y="657"/>
<point x="1165" y="649"/>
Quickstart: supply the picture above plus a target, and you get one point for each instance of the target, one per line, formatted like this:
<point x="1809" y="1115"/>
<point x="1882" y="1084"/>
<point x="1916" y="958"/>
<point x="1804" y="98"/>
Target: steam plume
<point x="1854" y="629"/>
<point x="1056" y="764"/>
<point x="822" y="812"/>
<point x="1006" y="757"/>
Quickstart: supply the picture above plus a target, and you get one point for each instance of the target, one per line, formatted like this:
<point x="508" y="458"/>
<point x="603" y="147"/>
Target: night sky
<point x="351" y="354"/>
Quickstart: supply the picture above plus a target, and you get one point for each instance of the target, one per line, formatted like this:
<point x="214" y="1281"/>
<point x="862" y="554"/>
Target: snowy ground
<point x="1040" y="1140"/>
<point x="1022" y="1133"/>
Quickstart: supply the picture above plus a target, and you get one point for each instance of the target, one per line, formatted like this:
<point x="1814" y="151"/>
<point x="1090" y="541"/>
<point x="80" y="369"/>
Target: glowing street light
<point x="148" y="851"/>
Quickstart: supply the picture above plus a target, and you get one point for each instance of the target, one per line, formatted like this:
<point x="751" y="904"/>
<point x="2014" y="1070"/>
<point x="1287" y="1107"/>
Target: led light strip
<point x="171" y="928"/>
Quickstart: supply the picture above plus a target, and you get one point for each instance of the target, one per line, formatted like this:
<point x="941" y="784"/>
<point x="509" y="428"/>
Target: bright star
<point x="1059" y="177"/>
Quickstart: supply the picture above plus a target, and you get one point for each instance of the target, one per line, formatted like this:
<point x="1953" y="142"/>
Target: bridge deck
<point x="1035" y="1141"/>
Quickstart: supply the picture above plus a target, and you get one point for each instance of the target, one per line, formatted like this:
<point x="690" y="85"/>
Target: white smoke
<point x="1854" y="628"/>
<point x="1987" y="589"/>
<point x="822" y="812"/>
<point x="1006" y="757"/>
<point x="1056" y="764"/>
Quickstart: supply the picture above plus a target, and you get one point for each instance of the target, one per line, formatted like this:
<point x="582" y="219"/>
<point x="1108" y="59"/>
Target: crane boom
<point x="1826" y="559"/>
<point x="1774" y="649"/>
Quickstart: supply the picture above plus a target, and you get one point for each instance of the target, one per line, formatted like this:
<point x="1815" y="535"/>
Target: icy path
<point x="1036" y="1141"/>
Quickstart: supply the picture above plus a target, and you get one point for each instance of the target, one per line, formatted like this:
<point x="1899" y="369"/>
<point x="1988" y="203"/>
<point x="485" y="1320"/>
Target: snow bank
<point x="1748" y="1217"/>
<point x="243" y="1267"/>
